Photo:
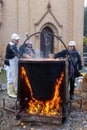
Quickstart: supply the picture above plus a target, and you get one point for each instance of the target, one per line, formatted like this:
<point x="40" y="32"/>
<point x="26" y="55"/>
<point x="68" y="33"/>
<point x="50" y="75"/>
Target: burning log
<point x="41" y="119"/>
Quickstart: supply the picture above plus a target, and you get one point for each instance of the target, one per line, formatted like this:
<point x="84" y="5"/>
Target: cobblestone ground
<point x="77" y="120"/>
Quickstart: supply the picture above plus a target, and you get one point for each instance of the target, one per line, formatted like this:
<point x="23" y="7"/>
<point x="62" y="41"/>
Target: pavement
<point x="77" y="119"/>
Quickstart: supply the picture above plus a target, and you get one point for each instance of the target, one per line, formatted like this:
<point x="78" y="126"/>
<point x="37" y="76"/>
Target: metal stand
<point x="7" y="99"/>
<point x="76" y="99"/>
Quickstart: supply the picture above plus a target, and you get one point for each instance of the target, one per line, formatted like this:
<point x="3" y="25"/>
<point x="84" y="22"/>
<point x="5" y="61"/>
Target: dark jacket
<point x="74" y="59"/>
<point x="25" y="49"/>
<point x="11" y="52"/>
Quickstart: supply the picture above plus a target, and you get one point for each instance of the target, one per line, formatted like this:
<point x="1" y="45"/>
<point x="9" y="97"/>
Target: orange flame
<point x="51" y="107"/>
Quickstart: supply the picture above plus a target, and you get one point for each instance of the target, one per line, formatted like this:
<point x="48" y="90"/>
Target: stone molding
<point x="45" y="20"/>
<point x="1" y="2"/>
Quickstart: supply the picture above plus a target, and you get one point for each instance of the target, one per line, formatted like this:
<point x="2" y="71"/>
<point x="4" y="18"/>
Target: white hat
<point x="72" y="43"/>
<point x="15" y="36"/>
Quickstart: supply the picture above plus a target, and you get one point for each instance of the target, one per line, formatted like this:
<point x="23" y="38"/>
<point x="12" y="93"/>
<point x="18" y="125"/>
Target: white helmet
<point x="15" y="36"/>
<point x="72" y="43"/>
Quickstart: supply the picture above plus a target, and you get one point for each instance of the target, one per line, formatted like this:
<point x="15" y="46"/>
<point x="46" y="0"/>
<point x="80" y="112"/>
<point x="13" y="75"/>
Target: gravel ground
<point x="77" y="120"/>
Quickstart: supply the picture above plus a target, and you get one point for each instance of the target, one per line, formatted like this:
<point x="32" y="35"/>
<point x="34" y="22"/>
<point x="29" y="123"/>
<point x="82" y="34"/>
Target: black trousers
<point x="72" y="82"/>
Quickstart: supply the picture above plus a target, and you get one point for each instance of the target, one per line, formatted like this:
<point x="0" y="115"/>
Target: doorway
<point x="46" y="41"/>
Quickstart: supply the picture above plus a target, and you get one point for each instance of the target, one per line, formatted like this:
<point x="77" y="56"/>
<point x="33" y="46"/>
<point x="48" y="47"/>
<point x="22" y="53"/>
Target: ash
<point x="77" y="119"/>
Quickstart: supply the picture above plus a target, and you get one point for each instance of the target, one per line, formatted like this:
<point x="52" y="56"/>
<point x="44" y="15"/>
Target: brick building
<point x="62" y="18"/>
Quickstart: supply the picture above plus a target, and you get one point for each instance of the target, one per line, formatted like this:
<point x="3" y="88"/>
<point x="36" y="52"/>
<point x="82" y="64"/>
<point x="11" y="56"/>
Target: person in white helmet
<point x="74" y="63"/>
<point x="11" y="65"/>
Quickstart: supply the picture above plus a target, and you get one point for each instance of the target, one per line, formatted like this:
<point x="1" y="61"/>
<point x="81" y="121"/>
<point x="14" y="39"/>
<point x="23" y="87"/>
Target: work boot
<point x="15" y="92"/>
<point x="10" y="91"/>
<point x="72" y="97"/>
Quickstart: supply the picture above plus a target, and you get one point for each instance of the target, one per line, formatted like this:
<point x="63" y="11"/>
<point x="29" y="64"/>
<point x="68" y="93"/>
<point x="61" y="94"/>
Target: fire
<point x="51" y="107"/>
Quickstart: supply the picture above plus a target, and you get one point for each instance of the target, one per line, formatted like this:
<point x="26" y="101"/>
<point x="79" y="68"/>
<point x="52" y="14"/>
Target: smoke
<point x="38" y="54"/>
